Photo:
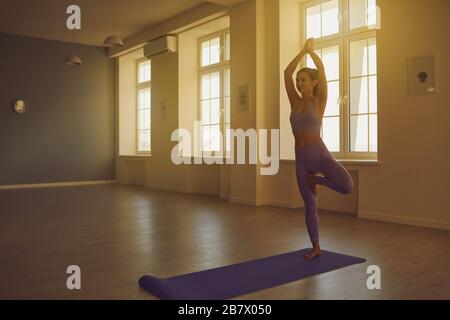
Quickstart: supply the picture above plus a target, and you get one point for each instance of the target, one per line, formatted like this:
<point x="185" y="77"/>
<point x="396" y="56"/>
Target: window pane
<point x="141" y="138"/>
<point x="205" y="53"/>
<point x="357" y="13"/>
<point x="358" y="133"/>
<point x="215" y="50"/>
<point x="358" y="58"/>
<point x="140" y="74"/>
<point x="372" y="13"/>
<point x="215" y="111"/>
<point x="147" y="141"/>
<point x="144" y="98"/>
<point x="206" y="138"/>
<point x="373" y="95"/>
<point x="206" y="110"/>
<point x="144" y="141"/>
<point x="330" y="18"/>
<point x="226" y="84"/>
<point x="147" y="115"/>
<point x="313" y="22"/>
<point x="141" y="119"/>
<point x="330" y="59"/>
<point x="144" y="119"/>
<point x="331" y="133"/>
<point x="227" y="109"/>
<point x="373" y="125"/>
<point x="148" y="72"/>
<point x="372" y="56"/>
<point x="144" y="73"/>
<point x="206" y="90"/>
<point x="359" y="99"/>
<point x="141" y="99"/>
<point x="228" y="137"/>
<point x="215" y="138"/>
<point x="332" y="108"/>
<point x="147" y="98"/>
<point x="309" y="62"/>
<point x="227" y="47"/>
<point x="215" y="84"/>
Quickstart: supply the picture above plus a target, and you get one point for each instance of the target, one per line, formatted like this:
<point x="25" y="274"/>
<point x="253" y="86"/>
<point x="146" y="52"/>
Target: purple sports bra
<point x="307" y="120"/>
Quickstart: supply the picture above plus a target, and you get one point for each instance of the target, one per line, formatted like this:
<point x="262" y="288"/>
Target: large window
<point x="214" y="84"/>
<point x="345" y="40"/>
<point x="143" y="112"/>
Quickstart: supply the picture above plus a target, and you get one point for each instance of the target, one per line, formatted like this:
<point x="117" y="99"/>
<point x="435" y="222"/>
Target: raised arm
<point x="293" y="95"/>
<point x="322" y="85"/>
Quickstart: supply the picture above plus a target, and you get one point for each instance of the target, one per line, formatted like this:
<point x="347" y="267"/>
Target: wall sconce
<point x="73" y="60"/>
<point x="19" y="106"/>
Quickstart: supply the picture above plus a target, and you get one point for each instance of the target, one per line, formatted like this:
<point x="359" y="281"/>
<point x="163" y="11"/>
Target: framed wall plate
<point x="421" y="76"/>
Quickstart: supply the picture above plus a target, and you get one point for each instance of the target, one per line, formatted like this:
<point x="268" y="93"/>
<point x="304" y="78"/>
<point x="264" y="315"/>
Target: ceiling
<point x="47" y="18"/>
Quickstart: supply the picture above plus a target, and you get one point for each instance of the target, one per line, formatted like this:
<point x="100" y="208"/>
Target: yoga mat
<point x="245" y="277"/>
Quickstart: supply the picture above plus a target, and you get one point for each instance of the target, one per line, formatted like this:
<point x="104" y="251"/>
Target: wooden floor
<point x="117" y="233"/>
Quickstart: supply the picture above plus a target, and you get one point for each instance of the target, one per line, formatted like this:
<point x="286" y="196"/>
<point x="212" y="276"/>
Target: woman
<point x="311" y="154"/>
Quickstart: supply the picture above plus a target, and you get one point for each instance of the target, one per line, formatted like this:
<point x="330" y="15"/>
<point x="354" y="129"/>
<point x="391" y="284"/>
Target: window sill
<point x="365" y="162"/>
<point x="135" y="157"/>
<point x="360" y="161"/>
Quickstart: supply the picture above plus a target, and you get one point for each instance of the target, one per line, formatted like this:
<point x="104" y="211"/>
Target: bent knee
<point x="347" y="188"/>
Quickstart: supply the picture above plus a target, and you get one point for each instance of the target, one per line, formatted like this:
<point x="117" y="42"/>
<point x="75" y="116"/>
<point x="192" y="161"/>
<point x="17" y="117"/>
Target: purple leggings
<point x="315" y="158"/>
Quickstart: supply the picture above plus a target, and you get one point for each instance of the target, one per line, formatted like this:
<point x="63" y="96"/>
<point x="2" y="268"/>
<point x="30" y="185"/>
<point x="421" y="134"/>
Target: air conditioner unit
<point x="165" y="44"/>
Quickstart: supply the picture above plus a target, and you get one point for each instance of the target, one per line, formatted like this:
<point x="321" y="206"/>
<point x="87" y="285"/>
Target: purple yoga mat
<point x="245" y="277"/>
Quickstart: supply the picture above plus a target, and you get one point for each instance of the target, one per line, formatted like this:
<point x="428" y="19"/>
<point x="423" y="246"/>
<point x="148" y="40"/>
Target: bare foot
<point x="315" y="252"/>
<point x="312" y="181"/>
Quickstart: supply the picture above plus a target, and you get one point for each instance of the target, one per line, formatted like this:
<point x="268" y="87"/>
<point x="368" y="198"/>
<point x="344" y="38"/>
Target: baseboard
<point x="55" y="184"/>
<point x="224" y="196"/>
<point x="402" y="220"/>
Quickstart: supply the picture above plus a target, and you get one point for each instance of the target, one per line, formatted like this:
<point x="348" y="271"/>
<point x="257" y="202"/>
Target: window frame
<point x="140" y="86"/>
<point x="343" y="39"/>
<point x="220" y="67"/>
<point x="347" y="153"/>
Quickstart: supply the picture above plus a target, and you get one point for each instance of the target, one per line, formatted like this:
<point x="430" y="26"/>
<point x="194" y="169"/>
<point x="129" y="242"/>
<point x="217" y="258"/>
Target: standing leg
<point x="336" y="177"/>
<point x="311" y="216"/>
